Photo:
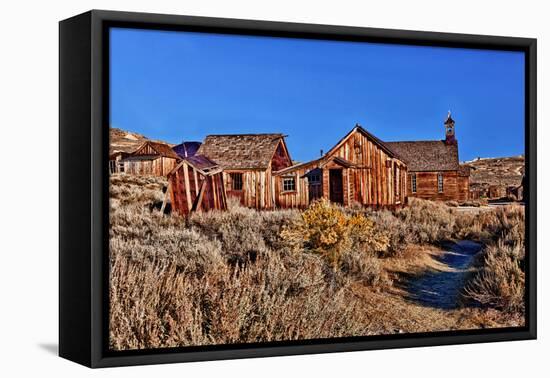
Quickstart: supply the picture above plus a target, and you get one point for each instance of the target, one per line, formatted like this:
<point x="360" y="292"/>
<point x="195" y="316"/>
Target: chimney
<point x="449" y="130"/>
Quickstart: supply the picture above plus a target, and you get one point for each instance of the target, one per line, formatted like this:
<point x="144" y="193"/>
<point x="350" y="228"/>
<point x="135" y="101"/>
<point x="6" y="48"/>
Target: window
<point x="236" y="181"/>
<point x="413" y="182"/>
<point x="440" y="183"/>
<point x="289" y="184"/>
<point x="397" y="186"/>
<point x="314" y="179"/>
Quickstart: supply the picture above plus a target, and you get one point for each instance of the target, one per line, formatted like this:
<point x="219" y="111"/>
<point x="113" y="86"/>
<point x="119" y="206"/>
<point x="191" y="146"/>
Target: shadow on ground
<point x="51" y="348"/>
<point x="441" y="288"/>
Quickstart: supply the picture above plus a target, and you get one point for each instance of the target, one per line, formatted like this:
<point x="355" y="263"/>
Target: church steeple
<point x="450" y="130"/>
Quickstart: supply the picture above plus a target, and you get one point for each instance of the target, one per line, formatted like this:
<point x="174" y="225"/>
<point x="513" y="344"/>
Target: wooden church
<point x="434" y="170"/>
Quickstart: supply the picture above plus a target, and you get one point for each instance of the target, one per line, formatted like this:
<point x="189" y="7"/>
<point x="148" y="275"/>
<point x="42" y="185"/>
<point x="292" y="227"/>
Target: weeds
<point x="244" y="276"/>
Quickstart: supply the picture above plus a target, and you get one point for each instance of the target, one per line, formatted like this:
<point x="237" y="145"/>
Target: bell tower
<point x="450" y="130"/>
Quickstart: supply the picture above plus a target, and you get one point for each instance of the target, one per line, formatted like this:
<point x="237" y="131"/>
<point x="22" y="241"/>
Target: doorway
<point x="336" y="186"/>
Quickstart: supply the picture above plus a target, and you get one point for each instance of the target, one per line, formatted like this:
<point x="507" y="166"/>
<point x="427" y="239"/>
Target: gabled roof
<point x="312" y="163"/>
<point x="162" y="149"/>
<point x="186" y="149"/>
<point x="115" y="153"/>
<point x="327" y="156"/>
<point x="241" y="151"/>
<point x="432" y="155"/>
<point x="359" y="128"/>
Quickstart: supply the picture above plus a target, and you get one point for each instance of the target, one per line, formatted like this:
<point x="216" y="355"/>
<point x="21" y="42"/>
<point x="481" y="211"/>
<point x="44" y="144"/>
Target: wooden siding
<point x="455" y="187"/>
<point x="258" y="184"/>
<point x="160" y="166"/>
<point x="256" y="190"/>
<point x="371" y="177"/>
<point x="463" y="188"/>
<point x="192" y="190"/>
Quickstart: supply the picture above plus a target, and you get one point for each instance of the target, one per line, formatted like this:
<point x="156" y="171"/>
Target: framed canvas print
<point x="234" y="188"/>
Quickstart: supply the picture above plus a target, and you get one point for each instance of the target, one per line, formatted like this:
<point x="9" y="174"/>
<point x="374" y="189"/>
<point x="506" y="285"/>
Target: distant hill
<point x="127" y="141"/>
<point x="502" y="171"/>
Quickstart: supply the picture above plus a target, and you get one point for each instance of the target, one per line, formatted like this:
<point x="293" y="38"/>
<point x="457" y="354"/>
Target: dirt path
<point x="440" y="288"/>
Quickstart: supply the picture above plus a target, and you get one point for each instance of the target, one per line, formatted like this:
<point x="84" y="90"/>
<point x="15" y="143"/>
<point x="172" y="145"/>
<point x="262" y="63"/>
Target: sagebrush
<point x="244" y="276"/>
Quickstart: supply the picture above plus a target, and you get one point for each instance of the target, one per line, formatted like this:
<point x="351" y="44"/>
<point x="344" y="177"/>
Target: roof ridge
<point x="246" y="134"/>
<point x="415" y="141"/>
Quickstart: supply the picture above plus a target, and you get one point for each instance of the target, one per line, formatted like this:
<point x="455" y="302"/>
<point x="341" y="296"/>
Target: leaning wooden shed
<point x="151" y="158"/>
<point x="196" y="184"/>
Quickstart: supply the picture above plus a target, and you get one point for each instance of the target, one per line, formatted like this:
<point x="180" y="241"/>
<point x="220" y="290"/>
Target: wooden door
<point x="315" y="184"/>
<point x="336" y="186"/>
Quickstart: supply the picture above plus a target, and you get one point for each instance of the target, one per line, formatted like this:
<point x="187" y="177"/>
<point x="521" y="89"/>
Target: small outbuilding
<point x="151" y="158"/>
<point x="249" y="162"/>
<point x="116" y="164"/>
<point x="196" y="184"/>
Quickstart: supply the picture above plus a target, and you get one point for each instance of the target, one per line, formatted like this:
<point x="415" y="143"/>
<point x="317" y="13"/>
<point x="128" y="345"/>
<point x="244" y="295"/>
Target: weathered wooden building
<point x="248" y="162"/>
<point x="479" y="190"/>
<point x="358" y="169"/>
<point x="116" y="165"/>
<point x="434" y="169"/>
<point x="151" y="158"/>
<point x="196" y="184"/>
<point x="496" y="191"/>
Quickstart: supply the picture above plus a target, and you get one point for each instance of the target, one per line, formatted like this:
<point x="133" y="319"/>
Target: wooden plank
<point x="196" y="180"/>
<point x="187" y="189"/>
<point x="198" y="200"/>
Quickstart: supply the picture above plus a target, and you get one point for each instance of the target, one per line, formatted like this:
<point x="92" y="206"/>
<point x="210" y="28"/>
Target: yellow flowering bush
<point x="325" y="229"/>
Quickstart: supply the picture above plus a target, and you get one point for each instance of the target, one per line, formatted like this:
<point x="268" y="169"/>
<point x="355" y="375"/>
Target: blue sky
<point x="176" y="86"/>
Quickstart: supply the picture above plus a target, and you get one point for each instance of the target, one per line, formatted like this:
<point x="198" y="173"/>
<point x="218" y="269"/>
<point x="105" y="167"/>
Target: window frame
<point x="283" y="181"/>
<point x="440" y="186"/>
<point x="414" y="187"/>
<point x="314" y="182"/>
<point x="233" y="176"/>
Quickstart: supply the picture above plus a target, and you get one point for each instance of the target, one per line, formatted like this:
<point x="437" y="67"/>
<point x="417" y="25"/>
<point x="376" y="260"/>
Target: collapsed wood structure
<point x="195" y="184"/>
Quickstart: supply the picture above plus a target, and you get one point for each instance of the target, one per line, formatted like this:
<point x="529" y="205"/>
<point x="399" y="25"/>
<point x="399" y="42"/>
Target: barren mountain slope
<point x="503" y="171"/>
<point x="127" y="141"/>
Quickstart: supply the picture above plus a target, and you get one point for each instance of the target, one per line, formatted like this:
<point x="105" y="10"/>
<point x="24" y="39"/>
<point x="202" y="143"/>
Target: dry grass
<point x="230" y="277"/>
<point x="500" y="280"/>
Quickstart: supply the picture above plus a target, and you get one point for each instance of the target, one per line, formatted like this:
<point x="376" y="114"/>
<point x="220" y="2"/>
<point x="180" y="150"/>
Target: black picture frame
<point x="83" y="182"/>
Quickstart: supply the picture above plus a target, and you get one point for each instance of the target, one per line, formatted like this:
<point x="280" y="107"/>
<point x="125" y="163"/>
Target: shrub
<point x="364" y="268"/>
<point x="500" y="282"/>
<point x="500" y="279"/>
<point x="427" y="221"/>
<point x="397" y="232"/>
<point x="325" y="229"/>
<point x="366" y="236"/>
